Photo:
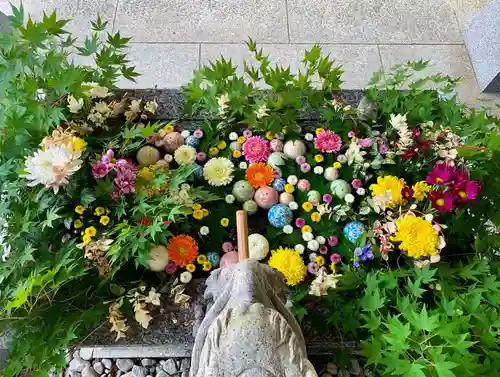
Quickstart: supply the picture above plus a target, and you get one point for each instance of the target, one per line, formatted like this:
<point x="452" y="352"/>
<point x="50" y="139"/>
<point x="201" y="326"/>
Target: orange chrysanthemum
<point x="182" y="250"/>
<point x="260" y="175"/>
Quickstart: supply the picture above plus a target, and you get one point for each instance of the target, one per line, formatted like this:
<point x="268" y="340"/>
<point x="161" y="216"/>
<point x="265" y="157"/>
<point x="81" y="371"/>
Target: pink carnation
<point x="328" y="141"/>
<point x="101" y="169"/>
<point x="256" y="149"/>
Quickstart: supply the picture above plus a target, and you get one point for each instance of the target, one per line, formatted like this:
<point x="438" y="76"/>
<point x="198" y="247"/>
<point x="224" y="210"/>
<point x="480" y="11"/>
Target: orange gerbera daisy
<point x="260" y="175"/>
<point x="182" y="250"/>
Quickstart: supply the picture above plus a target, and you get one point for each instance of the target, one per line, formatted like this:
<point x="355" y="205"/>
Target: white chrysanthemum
<point x="321" y="240"/>
<point x="318" y="169"/>
<point x="293" y="206"/>
<point x="288" y="229"/>
<point x="292" y="179"/>
<point x="307" y="236"/>
<point x="168" y="157"/>
<point x="361" y="191"/>
<point x="74" y="105"/>
<point x="204" y="230"/>
<point x="313" y="245"/>
<point x="309" y="136"/>
<point x="299" y="248"/>
<point x="233" y="136"/>
<point x="349" y="198"/>
<point x="185" y="155"/>
<point x="52" y="167"/>
<point x="218" y="171"/>
<point x="230" y="199"/>
<point x="243" y="165"/>
<point x="185" y="277"/>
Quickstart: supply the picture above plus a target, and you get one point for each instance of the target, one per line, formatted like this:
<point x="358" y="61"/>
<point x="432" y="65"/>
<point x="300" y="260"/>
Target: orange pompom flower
<point x="260" y="175"/>
<point x="182" y="250"/>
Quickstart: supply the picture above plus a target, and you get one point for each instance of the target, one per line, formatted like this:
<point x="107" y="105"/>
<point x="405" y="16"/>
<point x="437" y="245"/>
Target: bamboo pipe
<point x="242" y="235"/>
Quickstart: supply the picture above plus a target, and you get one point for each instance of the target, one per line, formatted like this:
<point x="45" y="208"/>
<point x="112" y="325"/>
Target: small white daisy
<point x="243" y="165"/>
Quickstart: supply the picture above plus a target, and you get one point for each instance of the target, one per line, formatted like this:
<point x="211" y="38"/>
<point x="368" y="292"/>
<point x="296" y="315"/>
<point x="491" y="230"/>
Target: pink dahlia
<point x="256" y="149"/>
<point x="328" y="141"/>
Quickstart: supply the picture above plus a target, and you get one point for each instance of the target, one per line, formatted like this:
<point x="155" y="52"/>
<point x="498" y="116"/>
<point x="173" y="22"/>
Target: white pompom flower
<point x="321" y="240"/>
<point x="318" y="170"/>
<point x="361" y="191"/>
<point x="233" y="136"/>
<point x="313" y="245"/>
<point x="230" y="199"/>
<point x="292" y="179"/>
<point x="186" y="277"/>
<point x="307" y="236"/>
<point x="309" y="136"/>
<point x="204" y="230"/>
<point x="288" y="229"/>
<point x="293" y="206"/>
<point x="243" y="165"/>
<point x="185" y="134"/>
<point x="349" y="198"/>
<point x="299" y="248"/>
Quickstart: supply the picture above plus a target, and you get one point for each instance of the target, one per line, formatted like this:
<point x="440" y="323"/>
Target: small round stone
<point x="250" y="207"/>
<point x="294" y="148"/>
<point x="286" y="198"/>
<point x="147" y="155"/>
<point x="280" y="215"/>
<point x="353" y="230"/>
<point x="276" y="145"/>
<point x="331" y="174"/>
<point x="258" y="246"/>
<point x="243" y="191"/>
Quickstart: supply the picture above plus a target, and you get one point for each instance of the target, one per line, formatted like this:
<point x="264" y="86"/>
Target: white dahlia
<point x="52" y="167"/>
<point x="218" y="171"/>
<point x="185" y="155"/>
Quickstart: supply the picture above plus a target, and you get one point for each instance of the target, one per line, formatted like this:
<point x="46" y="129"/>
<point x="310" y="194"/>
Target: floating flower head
<point x="389" y="185"/>
<point x="420" y="190"/>
<point x="442" y="201"/>
<point x="290" y="264"/>
<point x="52" y="167"/>
<point x="467" y="191"/>
<point x="259" y="175"/>
<point x="218" y="171"/>
<point x="256" y="149"/>
<point x="417" y="236"/>
<point x="185" y="155"/>
<point x="441" y="174"/>
<point x="328" y="141"/>
<point x="182" y="250"/>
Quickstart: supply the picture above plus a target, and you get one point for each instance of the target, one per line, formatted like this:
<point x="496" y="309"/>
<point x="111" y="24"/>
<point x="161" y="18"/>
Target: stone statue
<point x="248" y="331"/>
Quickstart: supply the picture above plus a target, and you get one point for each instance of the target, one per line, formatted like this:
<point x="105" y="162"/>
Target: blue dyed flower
<point x="192" y="141"/>
<point x="213" y="258"/>
<point x="353" y="230"/>
<point x="279" y="184"/>
<point x="280" y="215"/>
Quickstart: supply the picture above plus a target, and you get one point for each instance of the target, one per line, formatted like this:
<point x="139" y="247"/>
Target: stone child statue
<point x="248" y="332"/>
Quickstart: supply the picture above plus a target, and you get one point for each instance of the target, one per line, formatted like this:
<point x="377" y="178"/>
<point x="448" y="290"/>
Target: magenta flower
<point x="383" y="148"/>
<point x="335" y="258"/>
<point x="125" y="177"/>
<point x="365" y="143"/>
<point x="108" y="156"/>
<point x="333" y="241"/>
<point x="201" y="156"/>
<point x="300" y="160"/>
<point x="305" y="168"/>
<point x="247" y="133"/>
<point x="198" y="133"/>
<point x="327" y="198"/>
<point x="442" y="201"/>
<point x="101" y="169"/>
<point x="467" y="191"/>
<point x="350" y="134"/>
<point x="323" y="250"/>
<point x="256" y="149"/>
<point x="460" y="176"/>
<point x="227" y="247"/>
<point x="328" y="141"/>
<point x="300" y="222"/>
<point x="171" y="268"/>
<point x="441" y="174"/>
<point x="356" y="183"/>
<point x="312" y="268"/>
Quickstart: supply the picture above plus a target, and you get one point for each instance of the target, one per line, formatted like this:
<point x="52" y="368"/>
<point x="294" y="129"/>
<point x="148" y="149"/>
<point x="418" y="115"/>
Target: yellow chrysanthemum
<point x="201" y="259"/>
<point x="316" y="217"/>
<point x="320" y="260"/>
<point x="392" y="184"/>
<point x="337" y="165"/>
<point x="80" y="209"/>
<point x="86" y="239"/>
<point x="198" y="214"/>
<point x="307" y="206"/>
<point x="207" y="266"/>
<point x="290" y="264"/>
<point x="104" y="220"/>
<point x="306" y="229"/>
<point x="420" y="190"/>
<point x="319" y="130"/>
<point x="319" y="158"/>
<point x="146" y="174"/>
<point x="191" y="267"/>
<point x="78" y="223"/>
<point x="222" y="145"/>
<point x="218" y="171"/>
<point x="205" y="212"/>
<point x="213" y="151"/>
<point x="224" y="222"/>
<point x="242" y="139"/>
<point x="91" y="231"/>
<point x="77" y="144"/>
<point x="168" y="129"/>
<point x="269" y="135"/>
<point x="99" y="211"/>
<point x="289" y="188"/>
<point x="236" y="154"/>
<point x="417" y="236"/>
<point x="196" y="206"/>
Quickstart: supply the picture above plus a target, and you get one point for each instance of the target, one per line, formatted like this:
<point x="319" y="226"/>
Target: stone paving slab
<point x="466" y="9"/>
<point x="202" y="20"/>
<point x="373" y="21"/>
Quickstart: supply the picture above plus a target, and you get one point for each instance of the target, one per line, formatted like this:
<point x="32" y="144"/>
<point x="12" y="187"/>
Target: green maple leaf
<point x="51" y="216"/>
<point x="424" y="322"/>
<point x="372" y="350"/>
<point x="372" y="302"/>
<point x="426" y="274"/>
<point x="415" y="371"/>
<point x="443" y="368"/>
<point x="397" y="334"/>
<point x="414" y="288"/>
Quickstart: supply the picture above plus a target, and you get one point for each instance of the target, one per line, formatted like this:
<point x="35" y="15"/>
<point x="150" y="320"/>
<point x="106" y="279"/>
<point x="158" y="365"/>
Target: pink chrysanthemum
<point x="328" y="141"/>
<point x="256" y="149"/>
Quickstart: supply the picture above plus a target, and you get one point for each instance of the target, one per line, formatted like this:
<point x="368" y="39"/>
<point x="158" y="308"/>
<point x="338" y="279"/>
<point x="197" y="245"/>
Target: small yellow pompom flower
<point x="201" y="259"/>
<point x="224" y="222"/>
<point x="269" y="135"/>
<point x="241" y="139"/>
<point x="290" y="264"/>
<point x="78" y="223"/>
<point x="306" y="229"/>
<point x="207" y="266"/>
<point x="78" y="144"/>
<point x="236" y="154"/>
<point x="196" y="206"/>
<point x="104" y="220"/>
<point x="86" y="239"/>
<point x="320" y="260"/>
<point x="307" y="206"/>
<point x="316" y="217"/>
<point x="90" y="231"/>
<point x="420" y="190"/>
<point x="319" y="130"/>
<point x="205" y="212"/>
<point x="168" y="129"/>
<point x="337" y="165"/>
<point x="80" y="209"/>
<point x="222" y="145"/>
<point x="319" y="158"/>
<point x="146" y="174"/>
<point x="191" y="267"/>
<point x="392" y="184"/>
<point x="289" y="188"/>
<point x="198" y="214"/>
<point x="417" y="236"/>
<point x="99" y="211"/>
<point x="213" y="151"/>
